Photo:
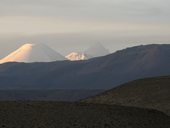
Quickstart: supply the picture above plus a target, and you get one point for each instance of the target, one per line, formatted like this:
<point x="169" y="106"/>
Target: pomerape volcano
<point x="29" y="53"/>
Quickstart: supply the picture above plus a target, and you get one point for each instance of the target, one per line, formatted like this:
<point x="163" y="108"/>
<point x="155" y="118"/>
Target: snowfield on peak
<point x="73" y="56"/>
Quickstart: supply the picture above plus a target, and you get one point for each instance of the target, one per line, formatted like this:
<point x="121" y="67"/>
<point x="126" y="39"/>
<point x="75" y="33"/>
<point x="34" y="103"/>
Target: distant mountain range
<point x="144" y="93"/>
<point x="29" y="53"/>
<point x="98" y="73"/>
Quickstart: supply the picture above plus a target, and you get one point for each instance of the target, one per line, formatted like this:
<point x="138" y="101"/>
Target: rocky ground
<point x="145" y="93"/>
<point x="78" y="115"/>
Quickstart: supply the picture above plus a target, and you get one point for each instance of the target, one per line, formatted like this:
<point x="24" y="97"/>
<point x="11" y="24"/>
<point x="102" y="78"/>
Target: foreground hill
<point x="149" y="93"/>
<point x="47" y="95"/>
<point x="71" y="115"/>
<point x="98" y="73"/>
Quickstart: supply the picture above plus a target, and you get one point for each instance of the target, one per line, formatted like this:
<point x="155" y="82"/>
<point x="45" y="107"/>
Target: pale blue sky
<point x="74" y="25"/>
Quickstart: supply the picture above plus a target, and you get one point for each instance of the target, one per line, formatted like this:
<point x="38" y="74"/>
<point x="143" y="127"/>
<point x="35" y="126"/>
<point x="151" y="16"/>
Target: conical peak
<point x="30" y="52"/>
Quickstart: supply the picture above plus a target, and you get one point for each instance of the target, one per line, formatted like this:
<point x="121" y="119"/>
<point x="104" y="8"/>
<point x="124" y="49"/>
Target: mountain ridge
<point x="97" y="73"/>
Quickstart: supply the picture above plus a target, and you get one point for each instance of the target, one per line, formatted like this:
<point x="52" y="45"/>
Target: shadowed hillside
<point x="71" y="115"/>
<point x="98" y="73"/>
<point x="148" y="93"/>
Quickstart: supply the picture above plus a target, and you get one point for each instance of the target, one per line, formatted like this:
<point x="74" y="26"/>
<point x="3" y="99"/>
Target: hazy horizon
<point x="75" y="25"/>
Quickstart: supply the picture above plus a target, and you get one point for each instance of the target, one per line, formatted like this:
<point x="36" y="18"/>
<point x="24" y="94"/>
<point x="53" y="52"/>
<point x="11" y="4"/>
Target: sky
<point x="75" y="25"/>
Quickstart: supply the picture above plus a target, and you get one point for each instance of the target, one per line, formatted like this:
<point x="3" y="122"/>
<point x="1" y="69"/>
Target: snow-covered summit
<point x="33" y="53"/>
<point x="73" y="56"/>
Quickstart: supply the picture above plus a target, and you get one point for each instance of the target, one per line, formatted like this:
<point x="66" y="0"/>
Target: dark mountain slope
<point x="98" y="73"/>
<point x="71" y="115"/>
<point x="149" y="93"/>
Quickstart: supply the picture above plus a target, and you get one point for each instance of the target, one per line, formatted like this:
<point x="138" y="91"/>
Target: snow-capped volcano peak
<point x="73" y="56"/>
<point x="33" y="53"/>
